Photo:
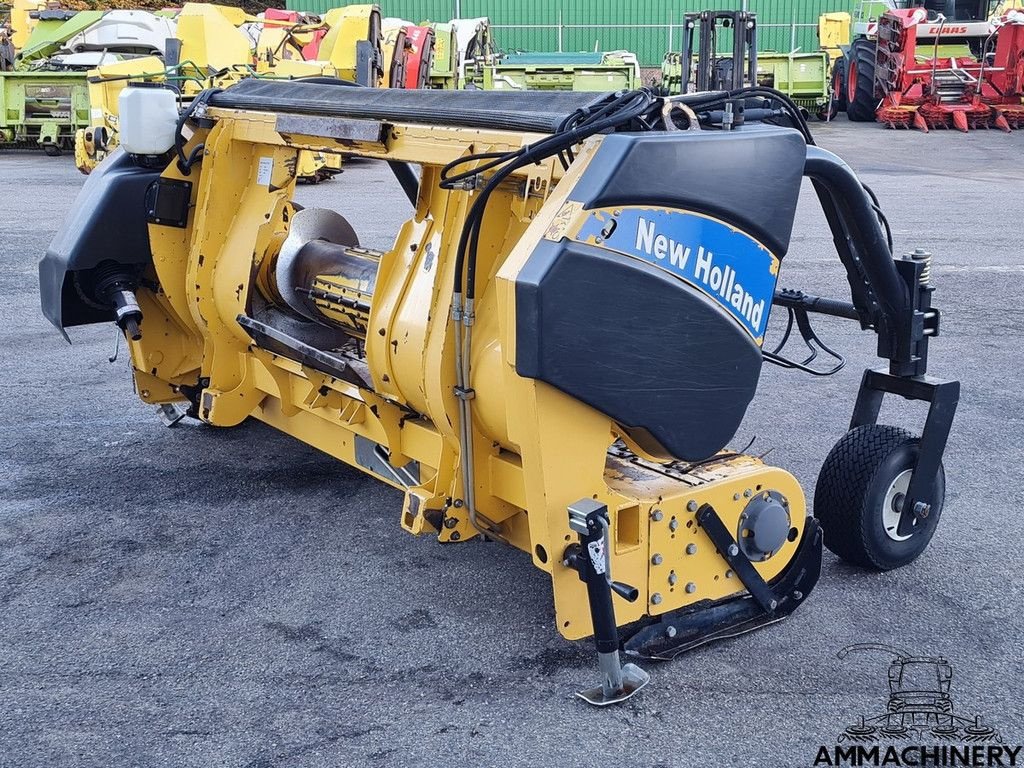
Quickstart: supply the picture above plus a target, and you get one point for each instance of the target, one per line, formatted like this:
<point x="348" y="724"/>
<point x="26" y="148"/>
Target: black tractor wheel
<point x="52" y="150"/>
<point x="827" y="111"/>
<point x="860" y="492"/>
<point x="838" y="79"/>
<point x="860" y="82"/>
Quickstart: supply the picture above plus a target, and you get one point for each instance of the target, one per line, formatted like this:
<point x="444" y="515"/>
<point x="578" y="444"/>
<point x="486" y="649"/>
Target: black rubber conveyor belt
<point x="536" y="111"/>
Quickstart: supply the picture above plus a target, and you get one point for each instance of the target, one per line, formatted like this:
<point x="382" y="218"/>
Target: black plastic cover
<point x="663" y="360"/>
<point x="107" y="223"/>
<point x="511" y="111"/>
<point x="749" y="177"/>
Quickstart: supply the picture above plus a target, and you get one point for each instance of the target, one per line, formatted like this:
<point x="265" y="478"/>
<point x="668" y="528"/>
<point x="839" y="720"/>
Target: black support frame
<point x="942" y="397"/>
<point x="893" y="297"/>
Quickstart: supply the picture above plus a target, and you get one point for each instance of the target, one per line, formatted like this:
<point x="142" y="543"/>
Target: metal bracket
<point x="168" y="202"/>
<point x="464" y="393"/>
<point x="171" y="413"/>
<point x="728" y="548"/>
<point x="375" y="458"/>
<point x="942" y="397"/>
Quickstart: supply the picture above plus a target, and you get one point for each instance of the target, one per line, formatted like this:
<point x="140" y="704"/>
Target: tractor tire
<point x="858" y="494"/>
<point x="838" y="80"/>
<point x="861" y="103"/>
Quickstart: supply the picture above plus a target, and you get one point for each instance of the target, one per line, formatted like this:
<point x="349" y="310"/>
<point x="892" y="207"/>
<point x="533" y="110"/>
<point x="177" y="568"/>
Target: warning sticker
<point x="265" y="172"/>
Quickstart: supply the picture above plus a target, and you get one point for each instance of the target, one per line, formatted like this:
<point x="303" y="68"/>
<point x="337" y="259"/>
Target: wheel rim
<point x="851" y="82"/>
<point x="891" y="506"/>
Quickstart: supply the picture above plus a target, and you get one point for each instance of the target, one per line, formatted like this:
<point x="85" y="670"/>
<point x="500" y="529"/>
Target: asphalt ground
<point x="206" y="597"/>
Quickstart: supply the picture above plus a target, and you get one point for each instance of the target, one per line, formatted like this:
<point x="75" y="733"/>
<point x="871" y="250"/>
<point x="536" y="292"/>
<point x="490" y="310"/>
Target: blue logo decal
<point x="726" y="264"/>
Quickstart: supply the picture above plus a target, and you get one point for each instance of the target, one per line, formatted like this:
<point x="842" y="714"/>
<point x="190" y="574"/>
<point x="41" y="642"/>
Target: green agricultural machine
<point x="44" y="97"/>
<point x="42" y="108"/>
<point x="611" y="71"/>
<point x="444" y="64"/>
<point x="733" y="62"/>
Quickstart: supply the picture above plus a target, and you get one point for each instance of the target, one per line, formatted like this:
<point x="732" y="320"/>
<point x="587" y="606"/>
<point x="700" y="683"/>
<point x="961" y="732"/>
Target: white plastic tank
<point x="148" y="118"/>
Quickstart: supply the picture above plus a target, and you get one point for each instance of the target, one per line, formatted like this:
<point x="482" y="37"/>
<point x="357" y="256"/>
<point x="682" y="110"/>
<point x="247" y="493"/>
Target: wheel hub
<point x="764" y="525"/>
<point x="892" y="506"/>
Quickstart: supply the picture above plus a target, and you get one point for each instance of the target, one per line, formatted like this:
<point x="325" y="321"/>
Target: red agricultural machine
<point x="419" y="55"/>
<point x="925" y="87"/>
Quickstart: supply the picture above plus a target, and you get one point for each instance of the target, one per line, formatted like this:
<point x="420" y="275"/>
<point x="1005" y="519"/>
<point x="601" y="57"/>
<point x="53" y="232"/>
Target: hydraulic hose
<point x="840" y="190"/>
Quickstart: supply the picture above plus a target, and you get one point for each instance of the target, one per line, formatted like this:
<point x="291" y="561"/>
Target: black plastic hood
<point x="107" y="223"/>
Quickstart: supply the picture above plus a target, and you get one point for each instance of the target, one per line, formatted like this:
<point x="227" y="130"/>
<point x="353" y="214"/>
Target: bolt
<point x="657" y="559"/>
<point x="735" y="497"/>
<point x="672" y="578"/>
<point x="656" y="598"/>
<point x="921" y="509"/>
<point x="656" y="515"/>
<point x="458" y="503"/>
<point x="450" y="522"/>
<point x="747" y="493"/>
<point x="728" y="574"/>
<point x="456" y="536"/>
<point x="798" y="595"/>
<point x="691" y="588"/>
<point x="773" y="604"/>
<point x="691" y="506"/>
<point x="691" y="549"/>
<point x="670" y="631"/>
<point x="733" y="550"/>
<point x="673" y="524"/>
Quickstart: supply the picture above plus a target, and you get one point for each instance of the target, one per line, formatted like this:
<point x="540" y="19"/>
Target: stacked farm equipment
<point x="466" y="56"/>
<point x="213" y="46"/>
<point x="74" y="65"/>
<point x="943" y="65"/>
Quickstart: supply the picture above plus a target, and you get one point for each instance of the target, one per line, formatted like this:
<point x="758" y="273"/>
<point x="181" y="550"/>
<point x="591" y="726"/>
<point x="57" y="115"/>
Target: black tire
<point x="861" y="103"/>
<point x="52" y="150"/>
<point x="827" y="111"/>
<point x="850" y="497"/>
<point x="838" y="84"/>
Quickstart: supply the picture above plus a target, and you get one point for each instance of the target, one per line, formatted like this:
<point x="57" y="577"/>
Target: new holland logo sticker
<point x="724" y="263"/>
